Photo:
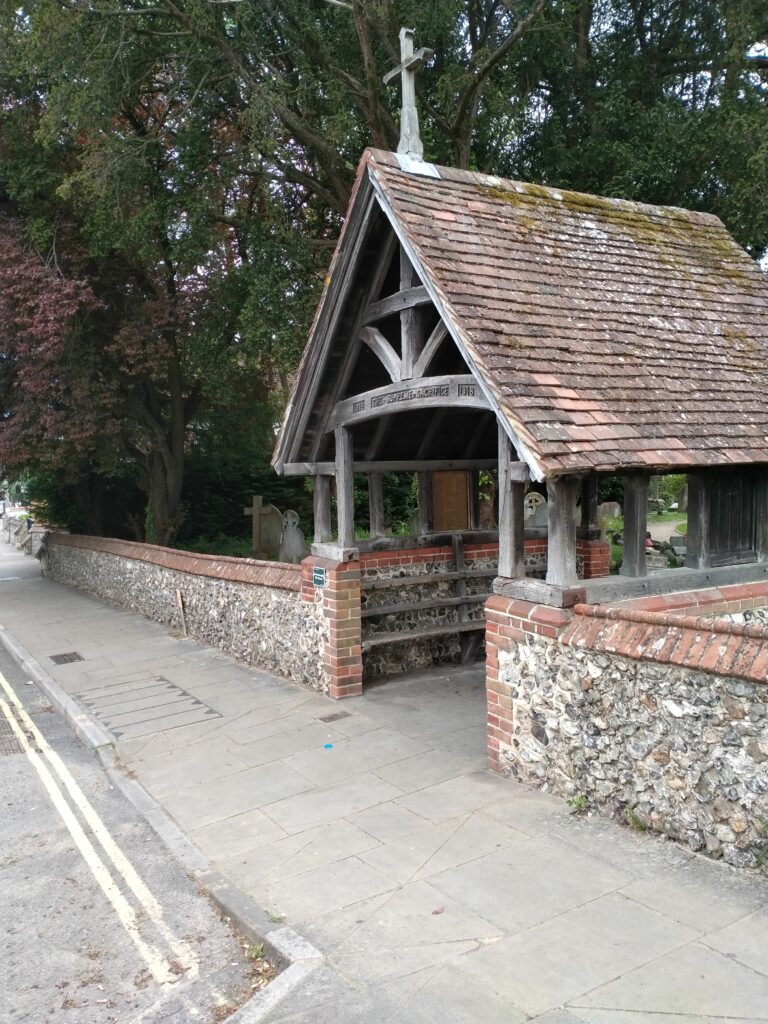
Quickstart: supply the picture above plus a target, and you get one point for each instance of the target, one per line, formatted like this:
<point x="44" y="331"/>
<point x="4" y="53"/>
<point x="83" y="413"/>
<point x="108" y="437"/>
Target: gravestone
<point x="609" y="510"/>
<point x="293" y="546"/>
<point x="267" y="529"/>
<point x="682" y="499"/>
<point x="536" y="510"/>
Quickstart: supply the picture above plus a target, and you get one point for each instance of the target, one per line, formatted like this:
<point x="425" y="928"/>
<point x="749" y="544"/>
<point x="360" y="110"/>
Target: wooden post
<point x="474" y="499"/>
<point x="589" y="502"/>
<point x="511" y="514"/>
<point x="408" y="321"/>
<point x="376" y="504"/>
<point x="345" y="487"/>
<point x="635" y="524"/>
<point x="321" y="494"/>
<point x="761" y="516"/>
<point x="561" y="520"/>
<point x="697" y="546"/>
<point x="426" y="518"/>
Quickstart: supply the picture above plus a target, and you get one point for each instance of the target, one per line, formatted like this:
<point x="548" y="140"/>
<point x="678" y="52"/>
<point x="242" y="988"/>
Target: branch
<point x="480" y="73"/>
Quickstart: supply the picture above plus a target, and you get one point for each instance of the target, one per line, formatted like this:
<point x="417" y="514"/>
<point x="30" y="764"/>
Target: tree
<point x="191" y="160"/>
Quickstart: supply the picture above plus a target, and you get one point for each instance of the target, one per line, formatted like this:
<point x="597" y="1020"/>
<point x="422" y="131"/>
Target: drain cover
<point x="8" y="742"/>
<point x="143" y="707"/>
<point x="65" y="659"/>
<point x="335" y="716"/>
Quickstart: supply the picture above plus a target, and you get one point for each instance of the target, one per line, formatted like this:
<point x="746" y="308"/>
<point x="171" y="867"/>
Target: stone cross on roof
<point x="410" y="62"/>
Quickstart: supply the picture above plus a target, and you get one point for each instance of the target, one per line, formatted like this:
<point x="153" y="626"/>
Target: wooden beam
<point x="330" y="313"/>
<point x="345" y="489"/>
<point x="697" y="547"/>
<point x="405" y="299"/>
<point x="371" y="612"/>
<point x="561" y="546"/>
<point x="433" y="343"/>
<point x="511" y="513"/>
<point x="589" y="501"/>
<point x="426" y="515"/>
<point x="460" y="391"/>
<point x="635" y="524"/>
<point x="344" y="371"/>
<point x="761" y="515"/>
<point x="409" y="318"/>
<point x="474" y="500"/>
<point x="518" y="470"/>
<point x="383" y="351"/>
<point x="321" y="496"/>
<point x="376" y="504"/>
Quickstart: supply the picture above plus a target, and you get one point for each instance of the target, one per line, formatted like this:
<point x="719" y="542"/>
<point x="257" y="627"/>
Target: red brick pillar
<point x="498" y="632"/>
<point x="338" y="583"/>
<point x="597" y="557"/>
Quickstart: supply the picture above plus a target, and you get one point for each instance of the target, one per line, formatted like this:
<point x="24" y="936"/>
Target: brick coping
<point x="697" y="622"/>
<point x="281" y="575"/>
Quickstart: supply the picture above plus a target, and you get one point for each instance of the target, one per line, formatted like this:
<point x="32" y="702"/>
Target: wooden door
<point x="450" y="500"/>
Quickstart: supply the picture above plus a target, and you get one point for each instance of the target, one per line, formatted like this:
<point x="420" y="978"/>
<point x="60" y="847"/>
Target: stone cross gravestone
<point x="293" y="546"/>
<point x="267" y="528"/>
<point x="536" y="510"/>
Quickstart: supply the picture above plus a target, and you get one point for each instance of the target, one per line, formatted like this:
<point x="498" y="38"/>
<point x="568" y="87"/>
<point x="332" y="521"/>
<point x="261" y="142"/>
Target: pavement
<point x="433" y="889"/>
<point x="661" y="532"/>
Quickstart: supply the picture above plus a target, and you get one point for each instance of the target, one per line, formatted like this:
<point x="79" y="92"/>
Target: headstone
<point x="536" y="510"/>
<point x="293" y="546"/>
<point x="609" y="510"/>
<point x="267" y="529"/>
<point x="682" y="499"/>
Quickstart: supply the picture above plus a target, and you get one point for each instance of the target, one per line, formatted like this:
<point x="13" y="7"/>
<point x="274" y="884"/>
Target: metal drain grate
<point x="65" y="659"/>
<point x="8" y="742"/>
<point x="145" y="706"/>
<point x="335" y="716"/>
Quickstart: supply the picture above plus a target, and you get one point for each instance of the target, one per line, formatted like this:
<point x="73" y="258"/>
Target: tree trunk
<point x="163" y="507"/>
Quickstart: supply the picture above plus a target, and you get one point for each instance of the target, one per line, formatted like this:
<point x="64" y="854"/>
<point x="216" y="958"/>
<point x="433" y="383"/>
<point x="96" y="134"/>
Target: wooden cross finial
<point x="410" y="62"/>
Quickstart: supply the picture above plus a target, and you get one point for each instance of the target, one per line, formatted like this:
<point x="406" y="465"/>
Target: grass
<point x="665" y="517"/>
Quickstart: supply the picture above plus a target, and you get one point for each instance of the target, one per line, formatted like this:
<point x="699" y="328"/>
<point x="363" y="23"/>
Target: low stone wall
<point x="255" y="611"/>
<point x="657" y="717"/>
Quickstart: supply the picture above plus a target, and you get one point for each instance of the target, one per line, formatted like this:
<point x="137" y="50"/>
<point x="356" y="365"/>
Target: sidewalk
<point x="436" y="891"/>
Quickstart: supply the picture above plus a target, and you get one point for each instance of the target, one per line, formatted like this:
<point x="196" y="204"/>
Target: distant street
<point x="100" y="924"/>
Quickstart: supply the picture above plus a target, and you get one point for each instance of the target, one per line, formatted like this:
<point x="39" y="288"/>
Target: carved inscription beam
<point x="459" y="391"/>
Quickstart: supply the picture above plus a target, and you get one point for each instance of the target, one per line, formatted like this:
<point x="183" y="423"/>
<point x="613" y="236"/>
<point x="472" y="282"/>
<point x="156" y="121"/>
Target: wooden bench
<point x="469" y="631"/>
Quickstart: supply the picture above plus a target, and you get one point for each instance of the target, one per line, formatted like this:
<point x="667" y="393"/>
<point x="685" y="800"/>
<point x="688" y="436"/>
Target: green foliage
<point x="193" y="162"/>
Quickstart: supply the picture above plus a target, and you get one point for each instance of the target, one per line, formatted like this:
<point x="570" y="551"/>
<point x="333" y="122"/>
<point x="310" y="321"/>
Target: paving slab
<point x="693" y="979"/>
<point x="574" y="952"/>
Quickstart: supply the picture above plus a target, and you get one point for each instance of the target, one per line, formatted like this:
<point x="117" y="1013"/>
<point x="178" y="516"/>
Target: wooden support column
<point x="589" y="502"/>
<point x="321" y="494"/>
<point x="408" y="320"/>
<point x="697" y="553"/>
<point x="345" y="489"/>
<point x="474" y="500"/>
<point x="426" y="516"/>
<point x="635" y="524"/>
<point x="761" y="516"/>
<point x="561" y="546"/>
<point x="376" y="504"/>
<point x="511" y="513"/>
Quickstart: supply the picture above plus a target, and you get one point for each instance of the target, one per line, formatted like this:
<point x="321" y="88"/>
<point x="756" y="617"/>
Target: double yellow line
<point x="57" y="779"/>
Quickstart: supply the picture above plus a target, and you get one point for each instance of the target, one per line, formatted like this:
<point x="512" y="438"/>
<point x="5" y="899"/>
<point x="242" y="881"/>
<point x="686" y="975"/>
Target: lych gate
<point x="471" y="324"/>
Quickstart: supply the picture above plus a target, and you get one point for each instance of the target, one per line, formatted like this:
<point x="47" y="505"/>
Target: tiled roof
<point x="612" y="333"/>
